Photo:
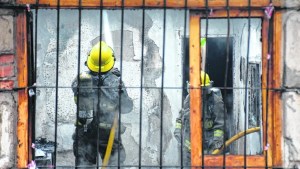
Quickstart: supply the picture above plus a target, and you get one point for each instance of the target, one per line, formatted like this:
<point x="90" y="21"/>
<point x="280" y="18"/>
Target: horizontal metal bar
<point x="21" y="6"/>
<point x="10" y="6"/>
<point x="176" y="166"/>
<point x="294" y="89"/>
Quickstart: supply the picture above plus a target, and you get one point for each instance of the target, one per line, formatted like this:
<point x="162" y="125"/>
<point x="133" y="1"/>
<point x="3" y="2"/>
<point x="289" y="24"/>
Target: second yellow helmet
<point x="205" y="80"/>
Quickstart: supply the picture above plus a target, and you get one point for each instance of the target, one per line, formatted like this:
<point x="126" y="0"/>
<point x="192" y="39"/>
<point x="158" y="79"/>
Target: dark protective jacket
<point x="213" y="108"/>
<point x="99" y="98"/>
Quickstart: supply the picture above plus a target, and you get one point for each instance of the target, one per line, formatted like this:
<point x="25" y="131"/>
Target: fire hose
<point x="110" y="142"/>
<point x="215" y="152"/>
<point x="236" y="137"/>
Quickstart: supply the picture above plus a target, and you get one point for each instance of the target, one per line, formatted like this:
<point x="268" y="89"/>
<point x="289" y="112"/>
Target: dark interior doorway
<point x="216" y="62"/>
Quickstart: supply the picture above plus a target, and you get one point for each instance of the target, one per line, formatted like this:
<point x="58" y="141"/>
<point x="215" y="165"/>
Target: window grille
<point x="152" y="55"/>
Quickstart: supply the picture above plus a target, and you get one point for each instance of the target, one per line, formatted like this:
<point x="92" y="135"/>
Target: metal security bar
<point x="161" y="87"/>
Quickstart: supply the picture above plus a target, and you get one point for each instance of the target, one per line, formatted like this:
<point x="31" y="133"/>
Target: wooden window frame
<point x="23" y="100"/>
<point x="274" y="115"/>
<point x="151" y="3"/>
<point x="274" y="155"/>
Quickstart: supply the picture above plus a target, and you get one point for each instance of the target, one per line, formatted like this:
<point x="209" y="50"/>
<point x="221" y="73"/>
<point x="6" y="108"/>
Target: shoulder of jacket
<point x="216" y="91"/>
<point x="108" y="75"/>
<point x="85" y="76"/>
<point x="115" y="71"/>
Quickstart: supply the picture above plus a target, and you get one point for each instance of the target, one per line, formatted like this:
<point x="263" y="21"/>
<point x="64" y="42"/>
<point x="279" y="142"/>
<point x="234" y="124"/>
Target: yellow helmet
<point x="107" y="58"/>
<point x="205" y="80"/>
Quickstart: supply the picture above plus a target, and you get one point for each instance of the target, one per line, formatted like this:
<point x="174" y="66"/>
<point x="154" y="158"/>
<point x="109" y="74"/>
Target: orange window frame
<point x="22" y="67"/>
<point x="274" y="105"/>
<point x="274" y="131"/>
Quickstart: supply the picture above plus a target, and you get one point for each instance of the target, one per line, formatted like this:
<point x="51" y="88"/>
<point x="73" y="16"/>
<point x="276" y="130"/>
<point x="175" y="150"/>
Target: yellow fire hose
<point x="110" y="142"/>
<point x="215" y="152"/>
<point x="235" y="137"/>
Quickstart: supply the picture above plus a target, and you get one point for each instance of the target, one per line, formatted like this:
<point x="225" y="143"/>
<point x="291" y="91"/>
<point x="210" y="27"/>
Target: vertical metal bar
<point x="99" y="76"/>
<point x="270" y="45"/>
<point x="35" y="38"/>
<point x="30" y="62"/>
<point x="246" y="83"/>
<point x="203" y="92"/>
<point x="34" y="73"/>
<point x="141" y="88"/>
<point x="184" y="86"/>
<point x="56" y="83"/>
<point x="78" y="80"/>
<point x="120" y="82"/>
<point x="225" y="80"/>
<point x="162" y="87"/>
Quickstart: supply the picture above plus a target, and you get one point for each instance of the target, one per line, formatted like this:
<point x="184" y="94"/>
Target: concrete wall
<point x="8" y="99"/>
<point x="291" y="79"/>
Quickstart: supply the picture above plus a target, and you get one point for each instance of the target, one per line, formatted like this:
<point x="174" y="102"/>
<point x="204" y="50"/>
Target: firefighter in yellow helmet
<point x="99" y="94"/>
<point x="213" y="123"/>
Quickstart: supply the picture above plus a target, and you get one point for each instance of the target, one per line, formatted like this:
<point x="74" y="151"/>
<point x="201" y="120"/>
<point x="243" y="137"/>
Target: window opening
<point x="215" y="68"/>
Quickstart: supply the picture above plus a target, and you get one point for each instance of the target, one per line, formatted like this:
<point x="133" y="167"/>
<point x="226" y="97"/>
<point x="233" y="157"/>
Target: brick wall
<point x="7" y="71"/>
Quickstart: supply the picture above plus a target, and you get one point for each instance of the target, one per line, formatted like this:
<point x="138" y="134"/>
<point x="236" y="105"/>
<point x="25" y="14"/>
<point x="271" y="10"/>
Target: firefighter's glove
<point x="177" y="131"/>
<point x="218" y="140"/>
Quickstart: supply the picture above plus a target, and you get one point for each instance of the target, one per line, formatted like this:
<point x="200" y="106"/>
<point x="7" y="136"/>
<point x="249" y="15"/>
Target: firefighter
<point x="213" y="123"/>
<point x="99" y="94"/>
